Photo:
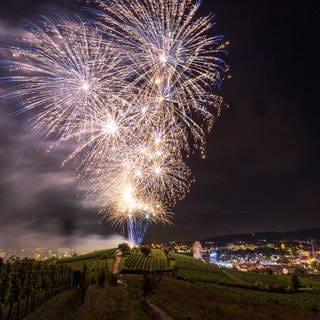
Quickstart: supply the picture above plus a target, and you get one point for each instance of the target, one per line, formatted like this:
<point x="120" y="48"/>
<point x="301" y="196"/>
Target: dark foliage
<point x="124" y="247"/>
<point x="150" y="282"/>
<point x="26" y="284"/>
<point x="295" y="282"/>
<point x="101" y="278"/>
<point x="145" y="250"/>
<point x="113" y="281"/>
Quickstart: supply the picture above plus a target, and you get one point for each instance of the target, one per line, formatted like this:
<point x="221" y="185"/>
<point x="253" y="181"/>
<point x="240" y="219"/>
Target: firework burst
<point x="61" y="69"/>
<point x="135" y="93"/>
<point x="174" y="63"/>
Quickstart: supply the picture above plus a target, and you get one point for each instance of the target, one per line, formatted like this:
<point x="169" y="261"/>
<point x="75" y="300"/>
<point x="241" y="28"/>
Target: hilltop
<point x="306" y="234"/>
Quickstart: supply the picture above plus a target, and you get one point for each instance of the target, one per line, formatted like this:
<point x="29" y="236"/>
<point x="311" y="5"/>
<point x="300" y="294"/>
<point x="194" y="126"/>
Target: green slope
<point x="185" y="300"/>
<point x="187" y="288"/>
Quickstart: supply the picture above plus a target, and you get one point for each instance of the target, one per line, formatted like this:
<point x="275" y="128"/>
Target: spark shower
<point x="134" y="89"/>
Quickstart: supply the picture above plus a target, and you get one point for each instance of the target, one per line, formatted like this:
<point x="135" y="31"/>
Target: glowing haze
<point x="135" y="93"/>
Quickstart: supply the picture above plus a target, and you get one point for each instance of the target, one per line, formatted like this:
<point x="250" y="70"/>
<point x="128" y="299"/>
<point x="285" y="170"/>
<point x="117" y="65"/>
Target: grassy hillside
<point x="185" y="300"/>
<point x="187" y="288"/>
<point x="95" y="262"/>
<point x="77" y="262"/>
<point x="190" y="269"/>
<point x="253" y="289"/>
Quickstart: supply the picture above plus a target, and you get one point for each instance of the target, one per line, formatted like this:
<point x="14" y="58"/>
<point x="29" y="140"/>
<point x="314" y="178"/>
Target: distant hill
<point x="269" y="236"/>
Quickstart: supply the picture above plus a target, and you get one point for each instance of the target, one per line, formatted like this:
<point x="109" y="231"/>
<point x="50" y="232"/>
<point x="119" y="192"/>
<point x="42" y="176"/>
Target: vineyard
<point x="95" y="263"/>
<point x="97" y="260"/>
<point x="225" y="284"/>
<point x="135" y="261"/>
<point x="307" y="300"/>
<point x="138" y="262"/>
<point x="195" y="270"/>
<point x="101" y="254"/>
<point x="207" y="301"/>
<point x="26" y="284"/>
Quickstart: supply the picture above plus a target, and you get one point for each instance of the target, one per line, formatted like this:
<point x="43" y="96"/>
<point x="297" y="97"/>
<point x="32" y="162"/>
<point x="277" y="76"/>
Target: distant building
<point x="249" y="267"/>
<point x="197" y="250"/>
<point x="270" y="246"/>
<point x="213" y="257"/>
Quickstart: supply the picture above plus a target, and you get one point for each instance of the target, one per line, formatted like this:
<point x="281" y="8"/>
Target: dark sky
<point x="262" y="167"/>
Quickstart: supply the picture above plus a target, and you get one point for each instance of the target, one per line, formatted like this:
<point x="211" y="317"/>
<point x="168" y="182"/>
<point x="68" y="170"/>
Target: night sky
<point x="262" y="167"/>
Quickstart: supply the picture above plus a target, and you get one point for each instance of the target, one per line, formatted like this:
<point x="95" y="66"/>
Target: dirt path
<point x="158" y="313"/>
<point x="115" y="269"/>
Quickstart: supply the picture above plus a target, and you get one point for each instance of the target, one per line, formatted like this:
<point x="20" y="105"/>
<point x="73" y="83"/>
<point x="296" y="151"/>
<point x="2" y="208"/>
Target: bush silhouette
<point x="145" y="250"/>
<point x="295" y="282"/>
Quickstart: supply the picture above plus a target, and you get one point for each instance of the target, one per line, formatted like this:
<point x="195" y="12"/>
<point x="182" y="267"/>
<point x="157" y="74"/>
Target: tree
<point x="101" y="278"/>
<point x="124" y="247"/>
<point x="83" y="283"/>
<point x="145" y="250"/>
<point x="295" y="282"/>
<point x="150" y="282"/>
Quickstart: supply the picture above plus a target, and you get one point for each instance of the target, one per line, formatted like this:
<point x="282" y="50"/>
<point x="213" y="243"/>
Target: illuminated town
<point x="285" y="257"/>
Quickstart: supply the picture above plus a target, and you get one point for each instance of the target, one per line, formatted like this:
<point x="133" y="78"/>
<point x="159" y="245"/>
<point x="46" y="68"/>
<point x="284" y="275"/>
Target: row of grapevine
<point x="26" y="284"/>
<point x="136" y="261"/>
<point x="94" y="267"/>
